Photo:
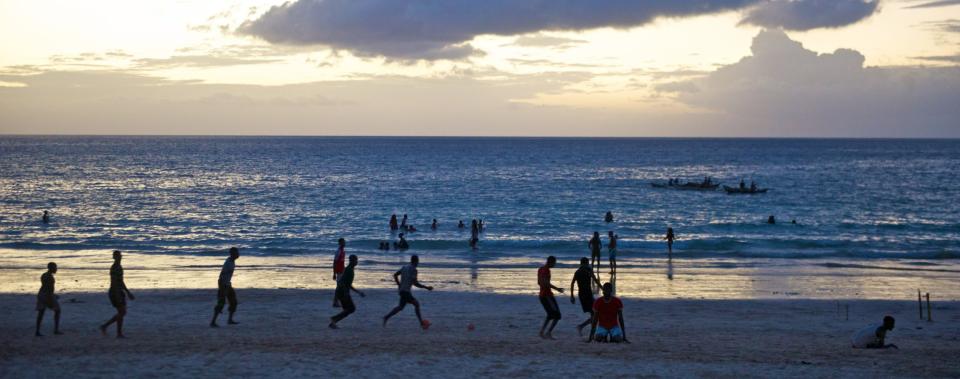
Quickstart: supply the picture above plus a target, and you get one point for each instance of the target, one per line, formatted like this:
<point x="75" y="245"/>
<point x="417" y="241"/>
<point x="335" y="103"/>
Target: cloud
<point x="810" y="14"/>
<point x="949" y="26"/>
<point x="540" y="40"/>
<point x="785" y="89"/>
<point x="432" y="29"/>
<point x="941" y="58"/>
<point x="935" y="4"/>
<point x="199" y="61"/>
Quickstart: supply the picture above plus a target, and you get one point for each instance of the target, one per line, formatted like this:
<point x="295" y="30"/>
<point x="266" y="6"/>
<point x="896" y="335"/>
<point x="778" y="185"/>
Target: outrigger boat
<point x="745" y="191"/>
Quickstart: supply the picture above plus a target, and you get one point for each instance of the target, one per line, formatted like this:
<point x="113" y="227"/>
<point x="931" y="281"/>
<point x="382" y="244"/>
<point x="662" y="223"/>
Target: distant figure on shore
<point x="608" y="325"/>
<point x="342" y="293"/>
<point x="46" y="217"/>
<point x="584" y="279"/>
<point x="393" y="222"/>
<point x="118" y="295"/>
<point x="670" y="237"/>
<point x="338" y="263"/>
<point x="461" y="225"/>
<point x="612" y="252"/>
<point x="608" y="218"/>
<point x="403" y="222"/>
<point x="874" y="337"/>
<point x="595" y="258"/>
<point x="402" y="245"/>
<point x="46" y="299"/>
<point x="771" y="220"/>
<point x="406" y="278"/>
<point x="474" y="233"/>
<point x="225" y="292"/>
<point x="546" y="298"/>
<point x="433" y="226"/>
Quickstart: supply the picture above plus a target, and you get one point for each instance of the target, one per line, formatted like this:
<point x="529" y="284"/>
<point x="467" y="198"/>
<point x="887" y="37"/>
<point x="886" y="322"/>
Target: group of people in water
<point x="476" y="228"/>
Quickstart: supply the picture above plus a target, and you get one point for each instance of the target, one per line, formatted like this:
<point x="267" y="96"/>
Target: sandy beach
<point x="283" y="332"/>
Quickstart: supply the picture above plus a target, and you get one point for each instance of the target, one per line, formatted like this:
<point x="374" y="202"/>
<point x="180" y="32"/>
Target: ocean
<point x="856" y="199"/>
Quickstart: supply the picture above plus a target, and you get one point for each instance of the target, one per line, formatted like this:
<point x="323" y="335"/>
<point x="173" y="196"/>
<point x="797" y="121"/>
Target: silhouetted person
<point x="873" y="337"/>
<point x="771" y="220"/>
<point x="595" y="259"/>
<point x="609" y="217"/>
<point x="670" y="237"/>
<point x="47" y="299"/>
<point x="608" y="325"/>
<point x="584" y="279"/>
<point x="406" y="278"/>
<point x="753" y="186"/>
<point x="225" y="292"/>
<point x="342" y="293"/>
<point x="743" y="186"/>
<point x="118" y="295"/>
<point x="612" y="251"/>
<point x="480" y="225"/>
<point x="474" y="233"/>
<point x="433" y="226"/>
<point x="46" y="217"/>
<point x="546" y="298"/>
<point x="338" y="263"/>
<point x="461" y="225"/>
<point x="403" y="222"/>
<point x="393" y="222"/>
<point x="402" y="245"/>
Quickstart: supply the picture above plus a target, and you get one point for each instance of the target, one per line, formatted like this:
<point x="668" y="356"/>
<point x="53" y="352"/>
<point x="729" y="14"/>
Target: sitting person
<point x="872" y="337"/>
<point x="608" y="325"/>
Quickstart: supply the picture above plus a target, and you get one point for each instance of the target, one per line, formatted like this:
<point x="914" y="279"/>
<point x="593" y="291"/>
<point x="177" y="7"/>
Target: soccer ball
<point x="425" y="324"/>
<point x="471" y="327"/>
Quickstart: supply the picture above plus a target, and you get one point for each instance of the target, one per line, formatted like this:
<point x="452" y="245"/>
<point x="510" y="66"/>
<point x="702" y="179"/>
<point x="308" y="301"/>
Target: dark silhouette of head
<point x="400" y="235"/>
<point x="607" y="290"/>
<point x="584" y="261"/>
<point x="414" y="260"/>
<point x="596" y="234"/>
<point x="353" y="259"/>
<point x="342" y="242"/>
<point x="234" y="253"/>
<point x="889" y="322"/>
<point x="670" y="230"/>
<point x="551" y="261"/>
<point x="52" y="267"/>
<point x="610" y="233"/>
<point x="117" y="255"/>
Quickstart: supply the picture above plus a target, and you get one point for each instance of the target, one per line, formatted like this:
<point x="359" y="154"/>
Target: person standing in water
<point x="669" y="239"/>
<point x="403" y="222"/>
<point x="433" y="226"/>
<point x="342" y="293"/>
<point x="474" y="233"/>
<point x="46" y="217"/>
<point x="46" y="299"/>
<point x="608" y="218"/>
<point x="338" y="263"/>
<point x="406" y="279"/>
<point x="225" y="292"/>
<point x="595" y="258"/>
<point x="584" y="279"/>
<point x="461" y="225"/>
<point x="547" y="300"/>
<point x="612" y="252"/>
<point x="118" y="295"/>
<point x="393" y="222"/>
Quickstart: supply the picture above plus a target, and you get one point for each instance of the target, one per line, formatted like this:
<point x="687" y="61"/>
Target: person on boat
<point x="433" y="226"/>
<point x="874" y="337"/>
<point x="393" y="222"/>
<point x="608" y="218"/>
<point x="742" y="185"/>
<point x="402" y="245"/>
<point x="753" y="186"/>
<point x="670" y="237"/>
<point x="771" y="220"/>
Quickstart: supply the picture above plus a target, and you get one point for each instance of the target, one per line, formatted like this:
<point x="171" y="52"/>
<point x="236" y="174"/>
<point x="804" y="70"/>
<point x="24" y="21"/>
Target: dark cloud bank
<point x="440" y="29"/>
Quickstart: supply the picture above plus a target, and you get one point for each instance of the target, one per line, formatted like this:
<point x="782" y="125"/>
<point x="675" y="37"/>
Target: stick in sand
<point x="920" y="304"/>
<point x="929" y="318"/>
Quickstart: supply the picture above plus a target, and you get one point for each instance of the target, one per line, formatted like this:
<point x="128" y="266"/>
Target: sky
<point x="678" y="68"/>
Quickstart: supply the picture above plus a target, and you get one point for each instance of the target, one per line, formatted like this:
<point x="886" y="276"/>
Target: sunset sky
<point x="783" y="68"/>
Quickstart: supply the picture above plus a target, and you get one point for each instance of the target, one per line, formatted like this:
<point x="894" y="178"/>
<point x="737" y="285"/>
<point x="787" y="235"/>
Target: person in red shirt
<point x="608" y="325"/>
<point x="338" y="266"/>
<point x="546" y="298"/>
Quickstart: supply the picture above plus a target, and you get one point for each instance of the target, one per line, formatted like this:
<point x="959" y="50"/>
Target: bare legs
<point x="118" y="318"/>
<point x="56" y="322"/>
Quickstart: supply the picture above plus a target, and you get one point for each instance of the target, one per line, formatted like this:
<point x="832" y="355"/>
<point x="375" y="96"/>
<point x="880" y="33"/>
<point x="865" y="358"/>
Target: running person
<point x="608" y="325"/>
<point x="546" y="298"/>
<point x="342" y="294"/>
<point x="118" y="295"/>
<point x="338" y="259"/>
<point x="584" y="279"/>
<point x="225" y="292"/>
<point x="46" y="299"/>
<point x="406" y="278"/>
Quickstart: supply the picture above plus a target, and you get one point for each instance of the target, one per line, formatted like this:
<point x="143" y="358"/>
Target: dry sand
<point x="284" y="333"/>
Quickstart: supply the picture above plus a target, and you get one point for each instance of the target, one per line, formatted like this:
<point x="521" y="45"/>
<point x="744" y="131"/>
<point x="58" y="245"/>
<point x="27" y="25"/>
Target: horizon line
<point x="5" y="135"/>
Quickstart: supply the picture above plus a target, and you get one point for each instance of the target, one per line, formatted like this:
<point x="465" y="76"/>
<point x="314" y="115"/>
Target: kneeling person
<point x="608" y="325"/>
<point x="872" y="337"/>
